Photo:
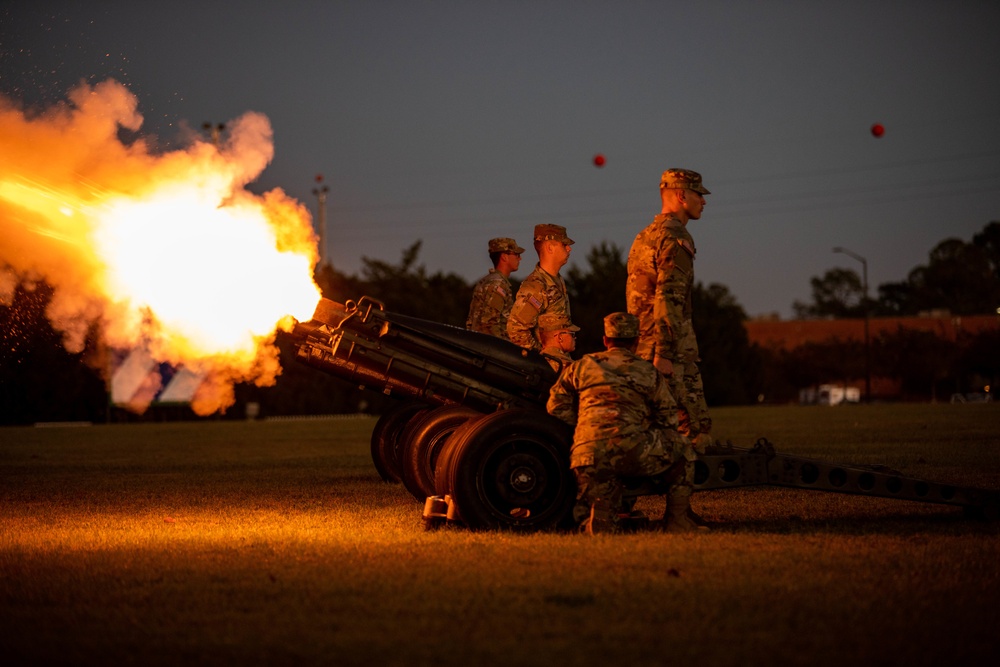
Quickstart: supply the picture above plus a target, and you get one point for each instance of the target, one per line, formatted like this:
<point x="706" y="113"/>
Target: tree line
<point x="40" y="381"/>
<point x="961" y="278"/>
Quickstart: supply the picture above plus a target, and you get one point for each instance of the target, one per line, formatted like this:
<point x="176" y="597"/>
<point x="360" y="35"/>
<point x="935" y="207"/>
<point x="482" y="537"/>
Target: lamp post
<point x="214" y="131"/>
<point x="868" y="348"/>
<point x="320" y="192"/>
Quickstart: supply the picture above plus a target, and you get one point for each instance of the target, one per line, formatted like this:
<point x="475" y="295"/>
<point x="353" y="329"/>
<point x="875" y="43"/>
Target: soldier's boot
<point x="677" y="518"/>
<point x="601" y="520"/>
<point x="633" y="521"/>
<point x="697" y="520"/>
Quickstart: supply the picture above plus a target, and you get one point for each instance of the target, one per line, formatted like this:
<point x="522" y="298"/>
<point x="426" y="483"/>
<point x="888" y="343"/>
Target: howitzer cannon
<point x="472" y="439"/>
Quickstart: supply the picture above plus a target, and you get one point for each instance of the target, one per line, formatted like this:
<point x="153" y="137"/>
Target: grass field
<point x="276" y="543"/>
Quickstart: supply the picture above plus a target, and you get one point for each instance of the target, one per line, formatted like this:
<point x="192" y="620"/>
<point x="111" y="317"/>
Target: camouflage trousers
<point x="646" y="454"/>
<point x="685" y="381"/>
<point x="689" y="392"/>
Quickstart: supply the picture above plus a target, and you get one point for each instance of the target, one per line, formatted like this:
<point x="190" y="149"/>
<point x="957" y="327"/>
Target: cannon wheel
<point x="422" y="441"/>
<point x="442" y="469"/>
<point x="510" y="470"/>
<point x="385" y="443"/>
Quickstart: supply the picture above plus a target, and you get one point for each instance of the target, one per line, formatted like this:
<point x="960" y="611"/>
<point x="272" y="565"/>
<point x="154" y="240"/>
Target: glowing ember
<point x="165" y="252"/>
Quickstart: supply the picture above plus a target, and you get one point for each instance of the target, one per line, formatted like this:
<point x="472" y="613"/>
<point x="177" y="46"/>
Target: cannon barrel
<point x="436" y="363"/>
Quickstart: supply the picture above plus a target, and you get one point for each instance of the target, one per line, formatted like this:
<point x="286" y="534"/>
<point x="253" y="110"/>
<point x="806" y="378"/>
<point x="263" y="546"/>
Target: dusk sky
<point x="454" y="122"/>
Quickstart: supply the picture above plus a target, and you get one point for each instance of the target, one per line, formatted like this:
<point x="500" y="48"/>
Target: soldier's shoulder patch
<point x="687" y="245"/>
<point x="497" y="300"/>
<point x="527" y="310"/>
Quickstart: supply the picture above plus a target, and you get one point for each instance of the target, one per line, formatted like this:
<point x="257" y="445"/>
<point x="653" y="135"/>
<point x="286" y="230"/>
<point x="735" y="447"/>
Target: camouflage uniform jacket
<point x="611" y="398"/>
<point x="492" y="299"/>
<point x="659" y="288"/>
<point x="540" y="292"/>
<point x="557" y="358"/>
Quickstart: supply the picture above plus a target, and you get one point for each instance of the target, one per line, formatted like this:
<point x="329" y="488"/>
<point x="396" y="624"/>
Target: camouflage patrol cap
<point x="555" y="322"/>
<point x="682" y="179"/>
<point x="621" y="325"/>
<point x="552" y="233"/>
<point x="504" y="244"/>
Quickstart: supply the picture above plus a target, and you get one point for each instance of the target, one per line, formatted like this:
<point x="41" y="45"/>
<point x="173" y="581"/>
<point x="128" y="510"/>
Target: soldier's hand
<point x="702" y="441"/>
<point x="665" y="366"/>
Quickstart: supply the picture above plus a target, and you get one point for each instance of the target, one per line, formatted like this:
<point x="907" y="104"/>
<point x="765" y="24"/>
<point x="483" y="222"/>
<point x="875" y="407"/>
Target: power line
<point x="645" y="190"/>
<point x="769" y="205"/>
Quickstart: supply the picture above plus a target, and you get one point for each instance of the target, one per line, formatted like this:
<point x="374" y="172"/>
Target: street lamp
<point x="214" y="131"/>
<point x="868" y="347"/>
<point x="320" y="192"/>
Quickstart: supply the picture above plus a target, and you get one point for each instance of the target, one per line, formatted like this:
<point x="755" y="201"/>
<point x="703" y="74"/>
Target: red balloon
<point x="319" y="178"/>
<point x="598" y="160"/>
<point x="877" y="130"/>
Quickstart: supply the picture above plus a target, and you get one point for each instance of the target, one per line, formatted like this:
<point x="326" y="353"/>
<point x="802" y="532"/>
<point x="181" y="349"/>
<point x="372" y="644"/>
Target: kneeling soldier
<point x="625" y="423"/>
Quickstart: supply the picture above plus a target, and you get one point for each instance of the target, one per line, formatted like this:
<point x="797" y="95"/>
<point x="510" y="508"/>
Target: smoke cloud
<point x="164" y="251"/>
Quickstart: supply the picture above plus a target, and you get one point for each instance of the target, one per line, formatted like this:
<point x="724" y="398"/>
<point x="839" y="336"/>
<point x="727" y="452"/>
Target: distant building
<point x="776" y="335"/>
<point x="790" y="334"/>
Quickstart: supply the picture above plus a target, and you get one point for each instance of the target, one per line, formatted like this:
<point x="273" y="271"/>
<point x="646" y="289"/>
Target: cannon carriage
<point x="471" y="438"/>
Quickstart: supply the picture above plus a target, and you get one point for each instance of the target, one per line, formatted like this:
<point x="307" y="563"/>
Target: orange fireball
<point x="168" y="252"/>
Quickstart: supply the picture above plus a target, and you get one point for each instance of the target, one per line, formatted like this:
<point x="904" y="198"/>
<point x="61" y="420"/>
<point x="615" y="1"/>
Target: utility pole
<point x="214" y="131"/>
<point x="320" y="192"/>
<point x="867" y="309"/>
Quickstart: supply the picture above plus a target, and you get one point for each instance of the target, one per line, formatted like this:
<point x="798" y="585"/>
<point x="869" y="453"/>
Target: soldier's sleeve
<point x="496" y="304"/>
<point x="668" y="301"/>
<point x="470" y="321"/>
<point x="562" y="403"/>
<point x="640" y="289"/>
<point x="524" y="318"/>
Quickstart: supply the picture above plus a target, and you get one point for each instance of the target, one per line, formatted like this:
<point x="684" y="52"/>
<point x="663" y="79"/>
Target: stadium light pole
<point x="320" y="192"/>
<point x="868" y="347"/>
<point x="214" y="131"/>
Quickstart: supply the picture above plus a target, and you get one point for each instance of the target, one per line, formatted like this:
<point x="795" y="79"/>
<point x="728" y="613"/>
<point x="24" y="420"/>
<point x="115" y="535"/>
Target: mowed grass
<point x="276" y="543"/>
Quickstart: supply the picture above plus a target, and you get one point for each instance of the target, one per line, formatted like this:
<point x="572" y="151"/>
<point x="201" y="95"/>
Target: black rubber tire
<point x="510" y="471"/>
<point x="385" y="441"/>
<point x="422" y="441"/>
<point x="988" y="511"/>
<point x="442" y="475"/>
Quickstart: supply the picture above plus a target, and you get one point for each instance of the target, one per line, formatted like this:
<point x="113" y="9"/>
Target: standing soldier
<point x="625" y="424"/>
<point x="659" y="291"/>
<point x="493" y="295"/>
<point x="543" y="291"/>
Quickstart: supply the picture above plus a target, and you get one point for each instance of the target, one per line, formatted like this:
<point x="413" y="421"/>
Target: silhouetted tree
<point x="39" y="379"/>
<point x="979" y="363"/>
<point x="595" y="293"/>
<point x="988" y="241"/>
<point x="962" y="278"/>
<point x="338" y="286"/>
<point x="731" y="368"/>
<point x="921" y="360"/>
<point x="958" y="278"/>
<point x="839" y="293"/>
<point x="406" y="288"/>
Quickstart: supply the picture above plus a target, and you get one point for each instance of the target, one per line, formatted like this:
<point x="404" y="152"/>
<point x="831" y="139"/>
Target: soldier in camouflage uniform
<point x="544" y="290"/>
<point x="493" y="295"/>
<point x="558" y="340"/>
<point x="658" y="292"/>
<point x="625" y="423"/>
